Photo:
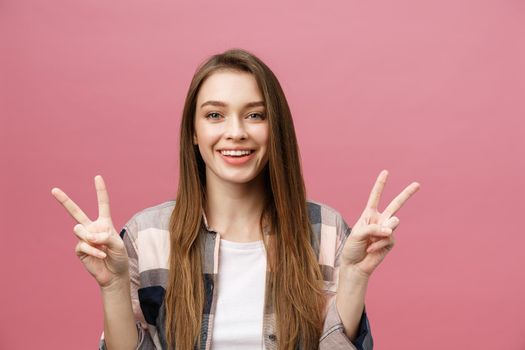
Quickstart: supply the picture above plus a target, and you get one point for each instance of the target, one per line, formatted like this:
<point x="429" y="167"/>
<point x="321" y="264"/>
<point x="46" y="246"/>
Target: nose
<point x="235" y="128"/>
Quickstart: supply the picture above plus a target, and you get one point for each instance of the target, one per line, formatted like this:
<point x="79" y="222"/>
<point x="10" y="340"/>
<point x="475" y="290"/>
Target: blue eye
<point x="212" y="114"/>
<point x="258" y="115"/>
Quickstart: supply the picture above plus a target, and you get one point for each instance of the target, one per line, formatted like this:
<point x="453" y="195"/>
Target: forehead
<point x="232" y="87"/>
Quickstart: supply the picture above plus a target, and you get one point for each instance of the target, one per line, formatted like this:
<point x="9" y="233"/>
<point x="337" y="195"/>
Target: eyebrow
<point x="223" y="104"/>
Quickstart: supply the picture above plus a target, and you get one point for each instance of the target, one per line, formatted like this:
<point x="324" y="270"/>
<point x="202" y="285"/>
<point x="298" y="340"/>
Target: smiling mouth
<point x="236" y="154"/>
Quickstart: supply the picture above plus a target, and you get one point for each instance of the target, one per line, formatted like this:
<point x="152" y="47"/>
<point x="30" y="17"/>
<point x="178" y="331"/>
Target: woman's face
<point x="231" y="128"/>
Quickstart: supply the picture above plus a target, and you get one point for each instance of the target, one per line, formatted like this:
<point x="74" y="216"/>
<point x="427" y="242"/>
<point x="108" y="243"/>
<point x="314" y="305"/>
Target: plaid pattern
<point x="146" y="237"/>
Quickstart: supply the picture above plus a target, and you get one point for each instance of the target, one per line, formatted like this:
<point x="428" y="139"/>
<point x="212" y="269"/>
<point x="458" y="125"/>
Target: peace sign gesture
<point x="372" y="235"/>
<point x="100" y="248"/>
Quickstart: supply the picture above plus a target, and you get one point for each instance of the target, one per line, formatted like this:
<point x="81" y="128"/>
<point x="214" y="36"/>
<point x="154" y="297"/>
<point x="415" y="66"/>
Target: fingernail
<point x="386" y="230"/>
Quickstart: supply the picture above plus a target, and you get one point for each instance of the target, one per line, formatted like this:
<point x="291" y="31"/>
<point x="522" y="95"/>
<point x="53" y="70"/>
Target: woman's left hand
<point x="372" y="235"/>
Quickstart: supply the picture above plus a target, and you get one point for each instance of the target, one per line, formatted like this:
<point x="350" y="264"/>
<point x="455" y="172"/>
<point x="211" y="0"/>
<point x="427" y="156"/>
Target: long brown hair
<point x="295" y="276"/>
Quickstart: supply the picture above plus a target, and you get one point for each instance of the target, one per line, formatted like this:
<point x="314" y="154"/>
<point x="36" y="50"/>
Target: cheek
<point x="207" y="134"/>
<point x="261" y="135"/>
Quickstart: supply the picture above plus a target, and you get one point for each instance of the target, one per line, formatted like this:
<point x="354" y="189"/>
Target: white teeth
<point x="235" y="153"/>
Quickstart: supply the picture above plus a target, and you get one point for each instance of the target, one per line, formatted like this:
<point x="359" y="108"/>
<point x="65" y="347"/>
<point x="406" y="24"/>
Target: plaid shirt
<point x="146" y="237"/>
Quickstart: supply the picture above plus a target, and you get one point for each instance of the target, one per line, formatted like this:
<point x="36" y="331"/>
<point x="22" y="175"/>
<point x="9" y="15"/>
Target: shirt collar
<point x="266" y="223"/>
<point x="205" y="220"/>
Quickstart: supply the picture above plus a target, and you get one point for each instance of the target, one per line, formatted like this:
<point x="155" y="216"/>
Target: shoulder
<point x="156" y="217"/>
<point x="320" y="213"/>
<point x="329" y="229"/>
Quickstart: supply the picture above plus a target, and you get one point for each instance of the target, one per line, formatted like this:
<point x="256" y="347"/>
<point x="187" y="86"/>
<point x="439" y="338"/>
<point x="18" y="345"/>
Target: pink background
<point x="433" y="91"/>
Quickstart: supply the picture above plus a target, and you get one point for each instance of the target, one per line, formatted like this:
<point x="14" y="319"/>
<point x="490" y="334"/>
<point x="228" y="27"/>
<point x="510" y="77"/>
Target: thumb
<point x="109" y="238"/>
<point x="392" y="222"/>
<point x="372" y="230"/>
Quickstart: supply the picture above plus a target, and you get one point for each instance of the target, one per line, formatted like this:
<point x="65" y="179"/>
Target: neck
<point x="234" y="210"/>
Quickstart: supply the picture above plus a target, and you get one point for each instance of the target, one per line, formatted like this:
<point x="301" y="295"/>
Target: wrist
<point x="354" y="275"/>
<point x="118" y="285"/>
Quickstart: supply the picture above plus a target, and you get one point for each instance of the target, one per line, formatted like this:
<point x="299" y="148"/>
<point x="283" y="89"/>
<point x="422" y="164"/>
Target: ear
<point x="195" y="140"/>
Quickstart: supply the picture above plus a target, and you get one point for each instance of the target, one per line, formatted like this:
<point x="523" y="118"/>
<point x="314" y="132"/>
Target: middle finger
<point x="72" y="208"/>
<point x="400" y="200"/>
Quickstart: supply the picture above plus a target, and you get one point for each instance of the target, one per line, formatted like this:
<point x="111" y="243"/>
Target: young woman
<point x="241" y="259"/>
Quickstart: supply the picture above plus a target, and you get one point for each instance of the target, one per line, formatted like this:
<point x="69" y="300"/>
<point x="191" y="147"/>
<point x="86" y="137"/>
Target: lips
<point x="237" y="159"/>
<point x="236" y="153"/>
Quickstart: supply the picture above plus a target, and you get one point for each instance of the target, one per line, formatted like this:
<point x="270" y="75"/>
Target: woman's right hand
<point x="99" y="247"/>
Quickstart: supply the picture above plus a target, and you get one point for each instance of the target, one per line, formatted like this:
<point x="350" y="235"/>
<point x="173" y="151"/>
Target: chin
<point x="236" y="176"/>
<point x="240" y="179"/>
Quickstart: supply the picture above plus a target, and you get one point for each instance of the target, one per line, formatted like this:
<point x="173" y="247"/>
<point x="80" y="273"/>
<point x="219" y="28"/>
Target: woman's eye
<point x="256" y="115"/>
<point x="213" y="115"/>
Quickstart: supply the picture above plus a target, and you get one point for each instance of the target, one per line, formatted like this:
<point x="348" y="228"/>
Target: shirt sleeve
<point x="333" y="336"/>
<point x="145" y="341"/>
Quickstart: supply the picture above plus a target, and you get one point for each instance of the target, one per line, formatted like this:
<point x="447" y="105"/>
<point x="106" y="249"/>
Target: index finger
<point x="400" y="200"/>
<point x="102" y="197"/>
<point x="72" y="208"/>
<point x="375" y="194"/>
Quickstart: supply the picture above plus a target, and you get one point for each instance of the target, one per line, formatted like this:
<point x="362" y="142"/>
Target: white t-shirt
<point x="241" y="282"/>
